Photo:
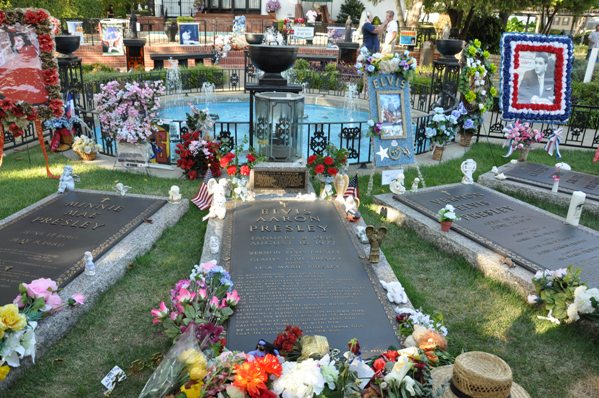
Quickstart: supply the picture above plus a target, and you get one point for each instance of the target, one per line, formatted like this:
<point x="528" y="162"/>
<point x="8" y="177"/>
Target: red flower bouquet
<point x="321" y="165"/>
<point x="196" y="155"/>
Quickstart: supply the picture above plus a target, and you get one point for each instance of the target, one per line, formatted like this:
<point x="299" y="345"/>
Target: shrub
<point x="182" y="19"/>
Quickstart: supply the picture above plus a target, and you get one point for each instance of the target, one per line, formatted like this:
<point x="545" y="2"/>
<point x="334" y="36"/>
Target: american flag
<point x="69" y="106"/>
<point x="203" y="199"/>
<point x="352" y="188"/>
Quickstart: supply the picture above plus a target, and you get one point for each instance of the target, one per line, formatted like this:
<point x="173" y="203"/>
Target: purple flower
<point x="468" y="124"/>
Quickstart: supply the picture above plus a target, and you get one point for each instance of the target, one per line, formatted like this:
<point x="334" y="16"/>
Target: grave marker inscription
<point x="532" y="238"/>
<point x="295" y="263"/>
<point x="49" y="241"/>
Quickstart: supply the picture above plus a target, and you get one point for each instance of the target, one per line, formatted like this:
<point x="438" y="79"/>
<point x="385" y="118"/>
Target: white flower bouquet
<point x="86" y="147"/>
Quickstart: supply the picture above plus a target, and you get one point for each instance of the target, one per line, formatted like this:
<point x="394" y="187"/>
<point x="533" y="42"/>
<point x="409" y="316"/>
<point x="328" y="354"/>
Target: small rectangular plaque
<point x="528" y="236"/>
<point x="49" y="241"/>
<point x="295" y="263"/>
<point x="540" y="175"/>
<point x="280" y="179"/>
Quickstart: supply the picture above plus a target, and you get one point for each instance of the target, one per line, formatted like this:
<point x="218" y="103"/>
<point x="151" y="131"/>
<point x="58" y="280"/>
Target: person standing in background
<point x="390" y="33"/>
<point x="371" y="34"/>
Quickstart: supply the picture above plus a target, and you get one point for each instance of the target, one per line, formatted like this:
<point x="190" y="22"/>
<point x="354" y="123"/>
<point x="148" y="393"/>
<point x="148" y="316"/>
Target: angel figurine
<point x="375" y="237"/>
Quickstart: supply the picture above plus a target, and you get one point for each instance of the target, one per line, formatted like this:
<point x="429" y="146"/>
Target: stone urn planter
<point x="449" y="48"/>
<point x="67" y="44"/>
<point x="273" y="60"/>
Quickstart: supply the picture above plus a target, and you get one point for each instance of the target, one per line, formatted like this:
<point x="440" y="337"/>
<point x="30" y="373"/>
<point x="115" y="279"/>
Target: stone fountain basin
<point x="273" y="59"/>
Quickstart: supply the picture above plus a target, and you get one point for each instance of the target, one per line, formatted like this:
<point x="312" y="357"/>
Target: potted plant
<point x="86" y="147"/>
<point x="521" y="136"/>
<point x="441" y="129"/>
<point x="126" y="111"/>
<point x="197" y="151"/>
<point x="447" y="216"/>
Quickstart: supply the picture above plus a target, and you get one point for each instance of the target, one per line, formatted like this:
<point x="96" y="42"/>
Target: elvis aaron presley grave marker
<point x="296" y="263"/>
<point x="530" y="237"/>
<point x="49" y="240"/>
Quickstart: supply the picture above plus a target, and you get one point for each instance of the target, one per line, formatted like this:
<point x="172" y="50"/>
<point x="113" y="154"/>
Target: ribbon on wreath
<point x="553" y="143"/>
<point x="58" y="134"/>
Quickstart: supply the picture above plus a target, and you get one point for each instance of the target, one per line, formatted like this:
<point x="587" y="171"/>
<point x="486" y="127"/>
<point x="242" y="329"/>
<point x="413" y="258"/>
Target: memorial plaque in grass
<point x="540" y="175"/>
<point x="529" y="236"/>
<point x="296" y="263"/>
<point x="49" y="240"/>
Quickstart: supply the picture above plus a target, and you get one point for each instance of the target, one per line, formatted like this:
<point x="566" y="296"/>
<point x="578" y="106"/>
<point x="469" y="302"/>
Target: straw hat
<point x="476" y="374"/>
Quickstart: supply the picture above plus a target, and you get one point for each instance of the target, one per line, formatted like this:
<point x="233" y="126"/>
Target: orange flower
<point x="270" y="364"/>
<point x="430" y="340"/>
<point x="431" y="356"/>
<point x="250" y="377"/>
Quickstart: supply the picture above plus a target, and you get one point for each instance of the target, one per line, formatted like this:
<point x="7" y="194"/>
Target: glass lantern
<point x="277" y="134"/>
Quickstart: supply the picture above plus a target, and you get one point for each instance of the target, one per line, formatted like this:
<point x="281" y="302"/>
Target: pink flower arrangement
<point x="207" y="297"/>
<point x="126" y="110"/>
<point x="521" y="135"/>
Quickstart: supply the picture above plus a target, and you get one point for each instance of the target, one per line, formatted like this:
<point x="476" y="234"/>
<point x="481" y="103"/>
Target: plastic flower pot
<point x="446" y="225"/>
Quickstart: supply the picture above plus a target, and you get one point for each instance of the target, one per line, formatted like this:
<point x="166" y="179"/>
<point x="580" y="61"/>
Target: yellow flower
<point x="476" y="43"/>
<point x="197" y="373"/>
<point x="193" y="391"/>
<point x="4" y="371"/>
<point x="192" y="358"/>
<point x="486" y="54"/>
<point x="2" y="328"/>
<point x="9" y="315"/>
<point x="493" y="91"/>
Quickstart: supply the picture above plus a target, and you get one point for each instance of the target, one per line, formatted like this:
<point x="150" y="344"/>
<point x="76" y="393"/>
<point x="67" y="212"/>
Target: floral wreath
<point x="16" y="115"/>
<point x="399" y="63"/>
<point x="475" y="83"/>
<point x="512" y="45"/>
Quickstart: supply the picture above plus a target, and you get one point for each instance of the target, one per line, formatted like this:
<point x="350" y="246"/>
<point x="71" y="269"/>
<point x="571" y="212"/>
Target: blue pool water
<point x="240" y="112"/>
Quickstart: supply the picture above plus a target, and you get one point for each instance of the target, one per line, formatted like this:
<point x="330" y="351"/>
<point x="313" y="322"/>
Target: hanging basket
<point x="438" y="152"/>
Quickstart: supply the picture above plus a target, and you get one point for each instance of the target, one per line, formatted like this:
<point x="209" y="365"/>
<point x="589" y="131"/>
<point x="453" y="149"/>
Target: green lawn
<point x="480" y="313"/>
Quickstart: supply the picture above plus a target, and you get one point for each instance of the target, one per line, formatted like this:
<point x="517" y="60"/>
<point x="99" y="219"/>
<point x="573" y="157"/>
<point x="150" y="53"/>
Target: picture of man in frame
<point x="390" y="115"/>
<point x="537" y="85"/>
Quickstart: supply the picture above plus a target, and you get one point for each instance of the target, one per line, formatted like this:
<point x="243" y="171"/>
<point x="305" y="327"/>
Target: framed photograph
<point x="391" y="114"/>
<point x="28" y="69"/>
<point x="407" y="38"/>
<point x="111" y="32"/>
<point x="189" y="34"/>
<point x="536" y="77"/>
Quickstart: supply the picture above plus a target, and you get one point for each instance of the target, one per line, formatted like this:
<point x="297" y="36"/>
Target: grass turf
<point x="549" y="361"/>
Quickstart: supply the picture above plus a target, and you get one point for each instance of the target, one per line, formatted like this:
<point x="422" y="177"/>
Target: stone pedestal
<point x="279" y="177"/>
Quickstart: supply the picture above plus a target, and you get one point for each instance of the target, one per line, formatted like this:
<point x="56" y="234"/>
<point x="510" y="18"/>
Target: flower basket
<point x="438" y="152"/>
<point x="88" y="157"/>
<point x="466" y="137"/>
<point x="446" y="225"/>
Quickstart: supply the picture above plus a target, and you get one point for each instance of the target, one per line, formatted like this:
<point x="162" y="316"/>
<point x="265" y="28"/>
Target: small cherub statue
<point x="121" y="188"/>
<point x="67" y="180"/>
<point x="415" y="185"/>
<point x="90" y="267"/>
<point x="375" y="237"/>
<point x="174" y="196"/>
<point x="396" y="186"/>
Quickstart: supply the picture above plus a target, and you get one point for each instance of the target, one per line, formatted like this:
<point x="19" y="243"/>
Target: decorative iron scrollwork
<point x="226" y="140"/>
<point x="318" y="142"/>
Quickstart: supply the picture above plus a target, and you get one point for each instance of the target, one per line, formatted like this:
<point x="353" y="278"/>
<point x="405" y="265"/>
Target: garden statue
<point x="468" y="167"/>
<point x="214" y="245"/>
<point x="348" y="30"/>
<point x="133" y="24"/>
<point x="395" y="292"/>
<point x="219" y="199"/>
<point x="415" y="183"/>
<point x="67" y="180"/>
<point x="396" y="186"/>
<point x="121" y="189"/>
<point x="90" y="267"/>
<point x="174" y="196"/>
<point x="375" y="237"/>
<point x="361" y="234"/>
<point x="341" y="182"/>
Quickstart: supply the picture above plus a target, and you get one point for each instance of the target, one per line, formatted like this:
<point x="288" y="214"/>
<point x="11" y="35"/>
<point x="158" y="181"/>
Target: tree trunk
<point x="414" y="13"/>
<point x="504" y="16"/>
<point x="455" y="17"/>
<point x="467" y="23"/>
<point x="400" y="5"/>
<point x="550" y="21"/>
